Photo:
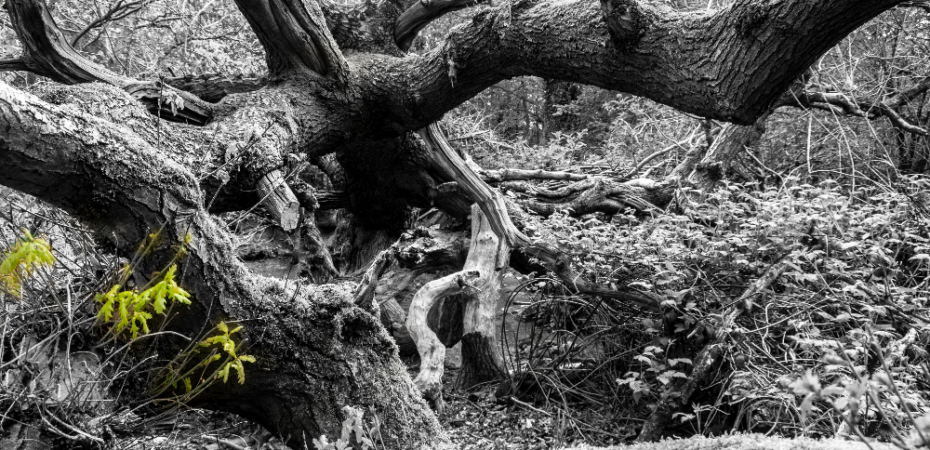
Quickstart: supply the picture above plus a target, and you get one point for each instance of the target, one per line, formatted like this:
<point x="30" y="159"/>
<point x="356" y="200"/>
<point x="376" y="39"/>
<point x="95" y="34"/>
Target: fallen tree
<point x="132" y="157"/>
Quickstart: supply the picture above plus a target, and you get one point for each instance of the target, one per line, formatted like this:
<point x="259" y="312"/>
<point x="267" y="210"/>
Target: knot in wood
<point x="626" y="22"/>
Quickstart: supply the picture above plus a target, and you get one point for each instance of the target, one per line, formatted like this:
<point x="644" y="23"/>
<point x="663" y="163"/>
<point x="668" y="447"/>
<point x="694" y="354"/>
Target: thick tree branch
<point x="420" y="14"/>
<point x="496" y="176"/>
<point x="213" y="88"/>
<point x="46" y="52"/>
<point x="594" y="194"/>
<point x="13" y="64"/>
<point x="296" y="38"/>
<point x="52" y="154"/>
<point x="730" y="64"/>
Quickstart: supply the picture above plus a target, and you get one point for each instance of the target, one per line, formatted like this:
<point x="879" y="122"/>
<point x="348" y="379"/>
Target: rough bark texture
<point x="704" y="169"/>
<point x="421" y="258"/>
<point x="730" y="64"/>
<point x="111" y="178"/>
<point x="47" y="52"/>
<point x="420" y="14"/>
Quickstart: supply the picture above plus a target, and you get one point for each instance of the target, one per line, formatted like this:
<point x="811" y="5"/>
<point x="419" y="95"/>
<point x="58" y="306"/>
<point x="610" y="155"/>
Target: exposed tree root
<point x="495" y="208"/>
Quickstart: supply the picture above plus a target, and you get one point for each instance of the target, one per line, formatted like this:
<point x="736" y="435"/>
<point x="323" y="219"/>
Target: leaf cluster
<point x="857" y="282"/>
<point x="234" y="361"/>
<point x="134" y="309"/>
<point x="27" y="254"/>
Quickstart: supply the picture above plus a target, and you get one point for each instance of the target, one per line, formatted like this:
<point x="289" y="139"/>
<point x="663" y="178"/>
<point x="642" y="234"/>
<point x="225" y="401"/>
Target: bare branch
<point x="213" y="88"/>
<point x="8" y="65"/>
<point x="869" y="109"/>
<point x="495" y="209"/>
<point x="922" y="4"/>
<point x="655" y="155"/>
<point x="595" y="194"/>
<point x="117" y="12"/>
<point x="495" y="176"/>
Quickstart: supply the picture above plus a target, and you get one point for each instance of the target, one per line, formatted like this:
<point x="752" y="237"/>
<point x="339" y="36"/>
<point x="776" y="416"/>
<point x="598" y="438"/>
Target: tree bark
<point x="316" y="350"/>
<point x="481" y="354"/>
<point x="703" y="170"/>
<point x="731" y="64"/>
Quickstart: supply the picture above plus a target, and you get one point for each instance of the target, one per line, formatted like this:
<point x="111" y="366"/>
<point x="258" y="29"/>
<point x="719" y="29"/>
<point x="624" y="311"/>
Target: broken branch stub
<point x="480" y="280"/>
<point x="625" y="20"/>
<point x="280" y="201"/>
<point x="490" y="256"/>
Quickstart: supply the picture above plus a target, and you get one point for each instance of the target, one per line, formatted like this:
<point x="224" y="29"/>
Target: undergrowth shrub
<point x="70" y="319"/>
<point x="848" y="315"/>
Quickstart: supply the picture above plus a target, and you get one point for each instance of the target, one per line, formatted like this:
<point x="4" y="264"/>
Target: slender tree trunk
<point x="558" y="96"/>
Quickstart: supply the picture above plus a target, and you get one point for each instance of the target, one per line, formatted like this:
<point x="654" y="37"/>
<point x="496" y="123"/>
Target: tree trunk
<point x="316" y="350"/>
<point x="481" y="354"/>
<point x="480" y="281"/>
<point x="559" y="96"/>
<point x="704" y="170"/>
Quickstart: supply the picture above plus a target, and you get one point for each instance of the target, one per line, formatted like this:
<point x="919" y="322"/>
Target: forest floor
<point x="475" y="420"/>
<point x="479" y="420"/>
<point x="838" y="328"/>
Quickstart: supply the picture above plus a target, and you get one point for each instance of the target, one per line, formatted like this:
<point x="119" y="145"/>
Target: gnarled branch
<point x="295" y="37"/>
<point x="420" y="14"/>
<point x="46" y="52"/>
<point x="495" y="208"/>
<point x="731" y="64"/>
<point x="213" y="88"/>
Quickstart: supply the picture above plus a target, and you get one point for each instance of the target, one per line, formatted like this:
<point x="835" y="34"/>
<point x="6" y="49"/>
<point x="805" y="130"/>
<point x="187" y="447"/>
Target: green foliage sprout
<point x="184" y="367"/>
<point x="29" y="253"/>
<point x="229" y="347"/>
<point x="133" y="307"/>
